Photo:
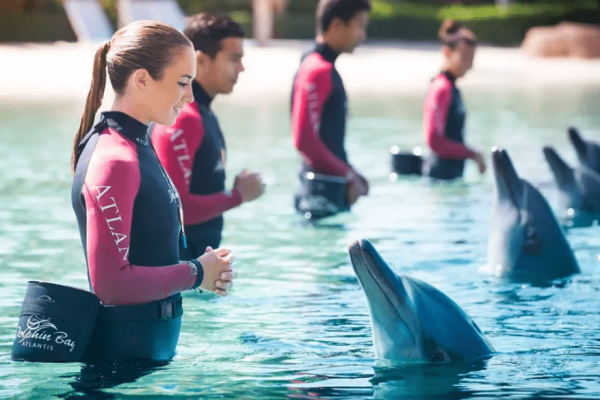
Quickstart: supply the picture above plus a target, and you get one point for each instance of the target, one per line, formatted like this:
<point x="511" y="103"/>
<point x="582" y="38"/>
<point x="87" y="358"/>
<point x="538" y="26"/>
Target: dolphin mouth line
<point x="577" y="142"/>
<point x="383" y="290"/>
<point x="371" y="273"/>
<point x="513" y="195"/>
<point x="562" y="172"/>
<point x="505" y="174"/>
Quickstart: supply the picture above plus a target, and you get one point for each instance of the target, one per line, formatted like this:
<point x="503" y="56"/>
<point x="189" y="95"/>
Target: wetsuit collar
<point x="450" y="77"/>
<point x="127" y="126"/>
<point x="327" y="52"/>
<point x="200" y="95"/>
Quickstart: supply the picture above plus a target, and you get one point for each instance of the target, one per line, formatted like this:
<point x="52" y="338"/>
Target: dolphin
<point x="411" y="320"/>
<point x="588" y="152"/>
<point x="579" y="187"/>
<point x="526" y="243"/>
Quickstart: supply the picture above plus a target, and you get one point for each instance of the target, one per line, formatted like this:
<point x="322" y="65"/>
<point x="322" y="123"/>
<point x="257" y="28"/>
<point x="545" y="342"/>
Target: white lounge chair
<point x="166" y="11"/>
<point x="88" y="20"/>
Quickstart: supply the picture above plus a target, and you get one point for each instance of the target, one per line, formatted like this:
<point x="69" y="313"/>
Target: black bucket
<point x="406" y="163"/>
<point x="322" y="195"/>
<point x="56" y="323"/>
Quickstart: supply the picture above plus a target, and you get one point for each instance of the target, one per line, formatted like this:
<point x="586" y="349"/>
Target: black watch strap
<point x="197" y="270"/>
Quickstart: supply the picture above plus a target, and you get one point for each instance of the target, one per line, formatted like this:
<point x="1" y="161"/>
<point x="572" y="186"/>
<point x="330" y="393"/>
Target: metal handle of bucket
<point x="326" y="178"/>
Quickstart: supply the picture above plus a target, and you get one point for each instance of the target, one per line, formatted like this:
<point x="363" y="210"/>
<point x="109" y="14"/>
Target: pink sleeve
<point x="176" y="148"/>
<point x="202" y="208"/>
<point x="312" y="88"/>
<point x="435" y="115"/>
<point x="110" y="188"/>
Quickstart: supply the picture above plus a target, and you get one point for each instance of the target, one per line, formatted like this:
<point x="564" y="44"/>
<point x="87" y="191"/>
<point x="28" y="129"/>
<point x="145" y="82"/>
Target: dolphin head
<point x="411" y="320"/>
<point x="508" y="185"/>
<point x="588" y="152"/>
<point x="563" y="173"/>
<point x="570" y="193"/>
<point x="526" y="242"/>
<point x="579" y="187"/>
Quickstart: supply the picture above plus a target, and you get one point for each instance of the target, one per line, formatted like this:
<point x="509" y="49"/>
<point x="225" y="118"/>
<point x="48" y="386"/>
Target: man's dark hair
<point x="207" y="29"/>
<point x="327" y="10"/>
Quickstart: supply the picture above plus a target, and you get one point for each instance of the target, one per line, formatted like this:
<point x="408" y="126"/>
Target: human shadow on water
<point x="425" y="380"/>
<point x="93" y="378"/>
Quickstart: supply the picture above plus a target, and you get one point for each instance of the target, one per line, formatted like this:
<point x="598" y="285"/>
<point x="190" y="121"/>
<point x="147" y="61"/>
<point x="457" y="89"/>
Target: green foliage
<point x="302" y="6"/>
<point x="110" y="7"/>
<point x="35" y="27"/>
<point x="385" y="9"/>
<point x="191" y="7"/>
<point x="420" y="21"/>
<point x="492" y="24"/>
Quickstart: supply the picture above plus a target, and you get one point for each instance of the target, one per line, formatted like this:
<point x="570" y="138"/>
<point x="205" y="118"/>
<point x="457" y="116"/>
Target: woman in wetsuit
<point x="444" y="112"/>
<point x="128" y="211"/>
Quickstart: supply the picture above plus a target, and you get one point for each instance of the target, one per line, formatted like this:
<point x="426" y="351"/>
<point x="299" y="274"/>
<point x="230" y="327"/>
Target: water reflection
<point x="94" y="378"/>
<point x="425" y="380"/>
<point x="408" y="381"/>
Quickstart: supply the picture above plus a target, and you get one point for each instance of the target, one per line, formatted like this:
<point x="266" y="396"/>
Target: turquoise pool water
<point x="297" y="325"/>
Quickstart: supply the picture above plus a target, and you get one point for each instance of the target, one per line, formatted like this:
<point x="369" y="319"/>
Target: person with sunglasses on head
<point x="319" y="103"/>
<point x="128" y="211"/>
<point x="444" y="112"/>
<point x="193" y="150"/>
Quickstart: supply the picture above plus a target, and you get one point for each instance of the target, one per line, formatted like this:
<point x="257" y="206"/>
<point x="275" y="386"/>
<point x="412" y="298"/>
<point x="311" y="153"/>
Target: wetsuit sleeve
<point x="435" y="115"/>
<point x="311" y="91"/>
<point x="110" y="188"/>
<point x="176" y="149"/>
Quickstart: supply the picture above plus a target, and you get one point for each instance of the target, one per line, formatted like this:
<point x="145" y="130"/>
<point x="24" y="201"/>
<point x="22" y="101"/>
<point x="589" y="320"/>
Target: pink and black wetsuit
<point x="193" y="152"/>
<point x="319" y="113"/>
<point x="128" y="217"/>
<point x="443" y="122"/>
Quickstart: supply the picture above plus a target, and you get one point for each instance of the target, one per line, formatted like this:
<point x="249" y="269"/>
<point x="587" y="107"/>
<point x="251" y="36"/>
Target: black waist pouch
<point x="321" y="195"/>
<point x="63" y="324"/>
<point x="55" y="324"/>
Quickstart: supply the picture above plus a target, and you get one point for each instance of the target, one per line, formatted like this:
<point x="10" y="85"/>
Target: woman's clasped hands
<point x="218" y="274"/>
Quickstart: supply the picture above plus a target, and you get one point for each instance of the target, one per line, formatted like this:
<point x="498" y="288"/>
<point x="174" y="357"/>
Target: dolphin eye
<point x="532" y="241"/>
<point x="438" y="355"/>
